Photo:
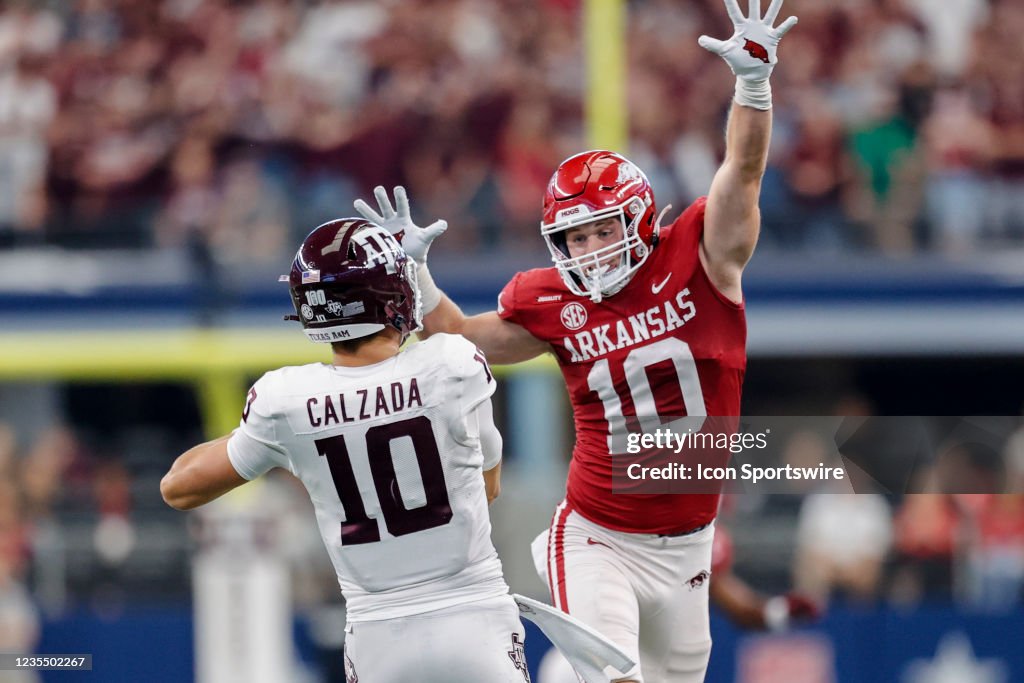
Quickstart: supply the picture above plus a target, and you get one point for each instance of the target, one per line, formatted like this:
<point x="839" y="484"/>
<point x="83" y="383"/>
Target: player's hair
<point x="351" y="346"/>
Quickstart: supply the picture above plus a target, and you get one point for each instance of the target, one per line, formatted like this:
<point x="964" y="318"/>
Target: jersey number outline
<point x="635" y="366"/>
<point x="359" y="527"/>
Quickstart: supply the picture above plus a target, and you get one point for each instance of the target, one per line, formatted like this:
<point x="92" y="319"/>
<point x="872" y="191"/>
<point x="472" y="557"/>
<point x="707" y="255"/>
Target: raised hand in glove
<point x="751" y="51"/>
<point x="398" y="221"/>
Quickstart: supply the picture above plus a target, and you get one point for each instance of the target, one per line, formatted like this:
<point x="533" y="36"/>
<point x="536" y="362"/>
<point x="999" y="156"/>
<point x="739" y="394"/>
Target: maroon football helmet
<point x="591" y="187"/>
<point x="350" y="279"/>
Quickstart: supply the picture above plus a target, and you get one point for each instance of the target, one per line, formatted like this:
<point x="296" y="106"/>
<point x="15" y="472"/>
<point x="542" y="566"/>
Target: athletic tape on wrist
<point x="756" y="94"/>
<point x="430" y="295"/>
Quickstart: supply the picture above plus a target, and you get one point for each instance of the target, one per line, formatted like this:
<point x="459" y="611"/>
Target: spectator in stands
<point x="960" y="144"/>
<point x="993" y="552"/>
<point x="27" y="107"/>
<point x="991" y="540"/>
<point x="19" y="621"/>
<point x="926" y="529"/>
<point x="891" y="166"/>
<point x="1002" y="86"/>
<point x="817" y="172"/>
<point x="842" y="543"/>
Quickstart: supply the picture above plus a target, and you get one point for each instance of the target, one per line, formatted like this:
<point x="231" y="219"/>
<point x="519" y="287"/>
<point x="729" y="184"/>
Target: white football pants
<point x="646" y="593"/>
<point x="471" y="643"/>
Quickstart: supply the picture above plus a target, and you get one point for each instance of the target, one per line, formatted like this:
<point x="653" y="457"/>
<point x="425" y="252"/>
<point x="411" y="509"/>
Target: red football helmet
<point x="590" y="187"/>
<point x="350" y="279"/>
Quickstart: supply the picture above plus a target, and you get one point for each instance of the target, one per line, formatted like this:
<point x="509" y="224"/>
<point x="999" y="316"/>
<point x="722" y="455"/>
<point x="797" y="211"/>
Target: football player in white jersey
<point x="400" y="456"/>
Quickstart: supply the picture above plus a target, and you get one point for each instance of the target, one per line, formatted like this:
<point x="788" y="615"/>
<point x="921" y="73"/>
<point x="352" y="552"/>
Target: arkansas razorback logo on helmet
<point x="757" y="51"/>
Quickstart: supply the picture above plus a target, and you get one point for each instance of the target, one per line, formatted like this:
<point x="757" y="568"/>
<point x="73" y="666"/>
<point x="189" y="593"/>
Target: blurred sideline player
<point x="400" y="456"/>
<point x="743" y="606"/>
<point x="644" y="321"/>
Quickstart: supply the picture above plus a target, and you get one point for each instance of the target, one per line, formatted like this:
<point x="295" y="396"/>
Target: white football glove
<point x="751" y="51"/>
<point x="398" y="221"/>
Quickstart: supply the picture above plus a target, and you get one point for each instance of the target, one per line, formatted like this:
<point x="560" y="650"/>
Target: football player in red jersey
<point x="645" y="321"/>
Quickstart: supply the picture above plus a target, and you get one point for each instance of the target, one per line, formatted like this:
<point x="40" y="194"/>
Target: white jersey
<point x="390" y="455"/>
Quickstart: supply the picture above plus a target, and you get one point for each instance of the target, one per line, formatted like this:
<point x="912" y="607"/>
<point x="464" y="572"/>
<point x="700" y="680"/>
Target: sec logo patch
<point x="574" y="316"/>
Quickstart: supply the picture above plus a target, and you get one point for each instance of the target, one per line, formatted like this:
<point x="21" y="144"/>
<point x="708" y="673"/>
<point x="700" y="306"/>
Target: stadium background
<point x="160" y="161"/>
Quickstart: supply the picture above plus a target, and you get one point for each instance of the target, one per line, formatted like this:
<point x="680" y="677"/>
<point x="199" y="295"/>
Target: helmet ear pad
<point x="350" y="278"/>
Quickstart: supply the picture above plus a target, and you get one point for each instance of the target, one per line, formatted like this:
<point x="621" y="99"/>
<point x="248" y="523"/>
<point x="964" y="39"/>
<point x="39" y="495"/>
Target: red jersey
<point x="668" y="344"/>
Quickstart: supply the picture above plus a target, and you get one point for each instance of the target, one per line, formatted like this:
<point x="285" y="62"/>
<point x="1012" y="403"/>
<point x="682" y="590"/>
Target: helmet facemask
<point x="605" y="271"/>
<point x="398" y="319"/>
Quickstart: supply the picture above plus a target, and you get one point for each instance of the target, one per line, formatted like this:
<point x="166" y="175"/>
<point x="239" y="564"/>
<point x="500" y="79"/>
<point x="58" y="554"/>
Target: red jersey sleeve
<point x="686" y="232"/>
<point x="684" y="237"/>
<point x="508" y="304"/>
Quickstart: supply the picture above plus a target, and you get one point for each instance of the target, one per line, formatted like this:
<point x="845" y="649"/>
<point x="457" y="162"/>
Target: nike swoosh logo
<point x="591" y="541"/>
<point x="657" y="288"/>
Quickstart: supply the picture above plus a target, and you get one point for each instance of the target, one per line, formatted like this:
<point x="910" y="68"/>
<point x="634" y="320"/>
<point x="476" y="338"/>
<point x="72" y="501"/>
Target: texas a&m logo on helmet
<point x="350" y="279"/>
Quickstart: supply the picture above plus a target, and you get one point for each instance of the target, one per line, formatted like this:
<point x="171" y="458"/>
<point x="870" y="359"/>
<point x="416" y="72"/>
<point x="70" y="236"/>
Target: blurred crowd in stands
<point x="75" y="531"/>
<point x="237" y="125"/>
